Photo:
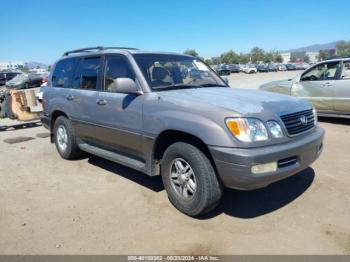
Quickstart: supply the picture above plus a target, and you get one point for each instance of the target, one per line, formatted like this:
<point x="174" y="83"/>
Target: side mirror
<point x="126" y="86"/>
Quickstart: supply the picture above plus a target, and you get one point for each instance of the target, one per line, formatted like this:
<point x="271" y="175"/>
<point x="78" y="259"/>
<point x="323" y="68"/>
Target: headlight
<point x="315" y="116"/>
<point x="247" y="129"/>
<point x="275" y="129"/>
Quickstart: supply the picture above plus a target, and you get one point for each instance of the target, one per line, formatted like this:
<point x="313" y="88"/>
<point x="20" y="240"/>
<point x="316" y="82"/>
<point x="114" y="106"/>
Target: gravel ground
<point x="92" y="206"/>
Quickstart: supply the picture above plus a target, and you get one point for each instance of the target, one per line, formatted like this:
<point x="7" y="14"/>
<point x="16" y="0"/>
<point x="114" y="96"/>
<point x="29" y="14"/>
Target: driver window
<point x="346" y="71"/>
<point x="116" y="67"/>
<point x="322" y="72"/>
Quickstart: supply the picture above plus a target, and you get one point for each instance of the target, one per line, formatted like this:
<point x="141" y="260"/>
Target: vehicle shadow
<point x="334" y="120"/>
<point x="236" y="203"/>
<point x="255" y="203"/>
<point x="151" y="182"/>
<point x="20" y="126"/>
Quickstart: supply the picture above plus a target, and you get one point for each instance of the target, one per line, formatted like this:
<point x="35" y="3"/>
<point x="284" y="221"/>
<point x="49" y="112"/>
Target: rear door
<point x="342" y="90"/>
<point x="317" y="85"/>
<point x="83" y="97"/>
<point x="119" y="116"/>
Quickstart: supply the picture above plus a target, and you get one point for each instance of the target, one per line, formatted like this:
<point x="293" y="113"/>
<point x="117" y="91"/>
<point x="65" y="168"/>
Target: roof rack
<point x="96" y="48"/>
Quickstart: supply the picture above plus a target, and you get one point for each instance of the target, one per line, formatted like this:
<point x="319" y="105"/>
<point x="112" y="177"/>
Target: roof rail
<point x="96" y="48"/>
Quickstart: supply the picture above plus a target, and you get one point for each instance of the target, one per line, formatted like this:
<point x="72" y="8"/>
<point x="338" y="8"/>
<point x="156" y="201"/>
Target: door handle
<point x="70" y="97"/>
<point x="327" y="84"/>
<point x="101" y="102"/>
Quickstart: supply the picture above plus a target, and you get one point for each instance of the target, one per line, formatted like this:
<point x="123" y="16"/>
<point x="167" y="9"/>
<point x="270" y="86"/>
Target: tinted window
<point x="322" y="72"/>
<point x="64" y="70"/>
<point x="116" y="67"/>
<point x="87" y="74"/>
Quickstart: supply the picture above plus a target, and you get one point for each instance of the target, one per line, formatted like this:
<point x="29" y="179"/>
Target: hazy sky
<point x="42" y="30"/>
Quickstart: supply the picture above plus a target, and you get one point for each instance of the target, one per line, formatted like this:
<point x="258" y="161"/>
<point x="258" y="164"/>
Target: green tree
<point x="193" y="53"/>
<point x="49" y="68"/>
<point x="268" y="57"/>
<point x="230" y="57"/>
<point x="243" y="58"/>
<point x="292" y="59"/>
<point x="216" y="60"/>
<point x="343" y="48"/>
<point x="306" y="59"/>
<point x="257" y="54"/>
<point x="322" y="55"/>
<point x="278" y="58"/>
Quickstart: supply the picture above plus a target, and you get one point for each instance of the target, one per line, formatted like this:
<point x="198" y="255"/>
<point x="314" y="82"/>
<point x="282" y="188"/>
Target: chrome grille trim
<point x="293" y="123"/>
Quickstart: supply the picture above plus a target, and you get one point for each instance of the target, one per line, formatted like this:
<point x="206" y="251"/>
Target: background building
<point x="11" y="65"/>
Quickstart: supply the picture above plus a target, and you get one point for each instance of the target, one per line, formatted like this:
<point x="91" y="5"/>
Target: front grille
<point x="293" y="122"/>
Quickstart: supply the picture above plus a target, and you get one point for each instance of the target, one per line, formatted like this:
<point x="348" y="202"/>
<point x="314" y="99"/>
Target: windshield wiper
<point x="212" y="85"/>
<point x="175" y="86"/>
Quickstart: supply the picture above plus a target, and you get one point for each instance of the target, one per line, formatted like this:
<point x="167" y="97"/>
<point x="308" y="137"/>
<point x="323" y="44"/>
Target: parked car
<point x="249" y="69"/>
<point x="7" y="76"/>
<point x="272" y="67"/>
<point x="262" y="68"/>
<point x="281" y="67"/>
<point x="326" y="85"/>
<point x="290" y="67"/>
<point x="234" y="68"/>
<point x="223" y="70"/>
<point x="193" y="130"/>
<point x="25" y="81"/>
<point x="299" y="66"/>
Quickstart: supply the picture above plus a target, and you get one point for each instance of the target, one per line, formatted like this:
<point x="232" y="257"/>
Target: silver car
<point x="326" y="85"/>
<point x="171" y="115"/>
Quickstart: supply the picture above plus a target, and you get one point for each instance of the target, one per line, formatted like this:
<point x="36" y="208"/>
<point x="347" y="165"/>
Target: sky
<point x="41" y="31"/>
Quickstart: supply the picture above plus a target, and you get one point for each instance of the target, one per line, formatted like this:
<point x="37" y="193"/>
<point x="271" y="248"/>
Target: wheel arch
<point x="54" y="115"/>
<point x="171" y="136"/>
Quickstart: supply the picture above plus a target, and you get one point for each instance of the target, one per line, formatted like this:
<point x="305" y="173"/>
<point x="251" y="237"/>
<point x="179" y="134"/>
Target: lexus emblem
<point x="303" y="120"/>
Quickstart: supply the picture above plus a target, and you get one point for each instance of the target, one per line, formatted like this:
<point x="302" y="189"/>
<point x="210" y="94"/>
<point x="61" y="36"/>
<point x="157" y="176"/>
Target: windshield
<point x="19" y="77"/>
<point x="164" y="71"/>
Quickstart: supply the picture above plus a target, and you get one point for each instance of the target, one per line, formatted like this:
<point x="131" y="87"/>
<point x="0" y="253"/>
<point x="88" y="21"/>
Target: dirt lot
<point x="92" y="206"/>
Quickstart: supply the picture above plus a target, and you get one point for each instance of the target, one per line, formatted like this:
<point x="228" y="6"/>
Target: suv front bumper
<point x="234" y="164"/>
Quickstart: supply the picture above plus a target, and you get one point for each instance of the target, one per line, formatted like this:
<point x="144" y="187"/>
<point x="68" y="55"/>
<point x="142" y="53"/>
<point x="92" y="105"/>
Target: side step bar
<point x="115" y="157"/>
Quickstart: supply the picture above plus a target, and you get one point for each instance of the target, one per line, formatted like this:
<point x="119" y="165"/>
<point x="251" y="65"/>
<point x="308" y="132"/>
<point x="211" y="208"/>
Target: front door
<point x="119" y="116"/>
<point x="342" y="90"/>
<point x="317" y="85"/>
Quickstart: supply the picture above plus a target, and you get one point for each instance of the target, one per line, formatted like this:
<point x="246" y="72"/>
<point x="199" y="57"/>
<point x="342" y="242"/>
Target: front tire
<point x="190" y="180"/>
<point x="64" y="138"/>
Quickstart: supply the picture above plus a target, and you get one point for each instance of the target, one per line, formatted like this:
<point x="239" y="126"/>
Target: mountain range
<point x="315" y="47"/>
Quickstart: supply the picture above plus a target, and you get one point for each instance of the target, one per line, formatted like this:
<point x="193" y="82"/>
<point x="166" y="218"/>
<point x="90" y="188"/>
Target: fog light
<point x="264" y="168"/>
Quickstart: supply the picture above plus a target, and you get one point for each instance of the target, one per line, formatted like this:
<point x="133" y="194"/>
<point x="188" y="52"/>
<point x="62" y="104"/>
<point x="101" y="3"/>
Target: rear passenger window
<point x="346" y="71"/>
<point x="63" y="73"/>
<point x="88" y="72"/>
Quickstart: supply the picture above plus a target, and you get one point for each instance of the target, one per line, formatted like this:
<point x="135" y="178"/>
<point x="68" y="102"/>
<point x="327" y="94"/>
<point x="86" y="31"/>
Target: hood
<point x="243" y="102"/>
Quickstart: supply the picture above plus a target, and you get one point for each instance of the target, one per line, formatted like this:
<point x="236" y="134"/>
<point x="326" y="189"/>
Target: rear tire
<point x="198" y="178"/>
<point x="64" y="138"/>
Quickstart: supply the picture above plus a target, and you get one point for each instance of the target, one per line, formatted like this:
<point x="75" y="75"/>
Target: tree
<point x="343" y="48"/>
<point x="230" y="57"/>
<point x="293" y="59"/>
<point x="257" y="54"/>
<point x="278" y="58"/>
<point x="49" y="68"/>
<point x="268" y="57"/>
<point x="306" y="59"/>
<point x="243" y="58"/>
<point x="322" y="55"/>
<point x="193" y="53"/>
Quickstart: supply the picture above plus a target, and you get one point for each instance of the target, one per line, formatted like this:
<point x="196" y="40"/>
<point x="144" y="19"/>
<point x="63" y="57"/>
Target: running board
<point x="115" y="157"/>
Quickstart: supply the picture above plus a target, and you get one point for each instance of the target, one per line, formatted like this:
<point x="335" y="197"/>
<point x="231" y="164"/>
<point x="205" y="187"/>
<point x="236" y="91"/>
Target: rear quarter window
<point x="63" y="73"/>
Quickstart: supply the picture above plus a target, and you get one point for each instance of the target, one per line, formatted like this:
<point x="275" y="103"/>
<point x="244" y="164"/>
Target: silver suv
<point x="172" y="115"/>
